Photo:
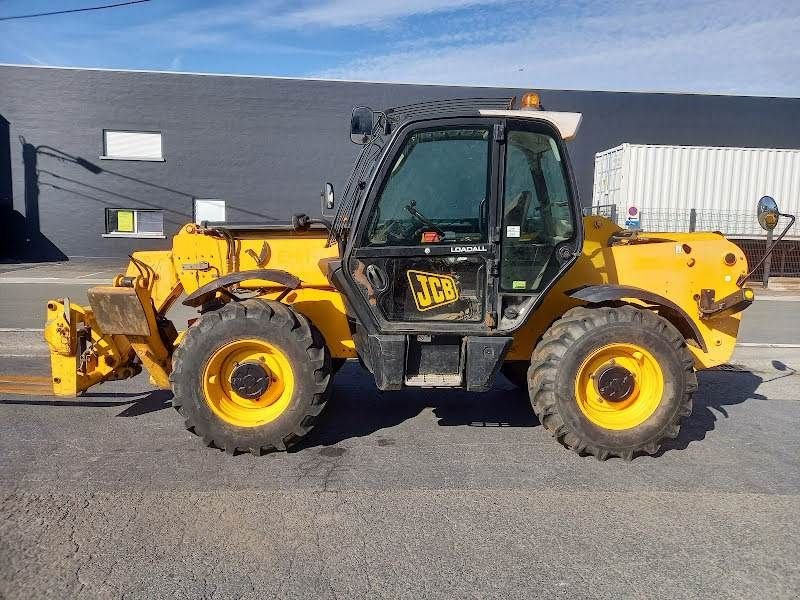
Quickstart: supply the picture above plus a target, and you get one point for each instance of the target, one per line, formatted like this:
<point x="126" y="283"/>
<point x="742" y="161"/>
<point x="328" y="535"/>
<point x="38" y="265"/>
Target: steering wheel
<point x="394" y="231"/>
<point x="412" y="210"/>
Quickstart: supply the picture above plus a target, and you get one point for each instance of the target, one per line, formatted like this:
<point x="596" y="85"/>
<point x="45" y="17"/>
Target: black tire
<point x="282" y="327"/>
<point x="557" y="359"/>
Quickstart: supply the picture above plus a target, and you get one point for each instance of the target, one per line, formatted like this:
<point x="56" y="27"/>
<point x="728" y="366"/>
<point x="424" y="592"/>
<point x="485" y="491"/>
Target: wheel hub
<point x="615" y="383"/>
<point x="250" y="380"/>
<point x="619" y="386"/>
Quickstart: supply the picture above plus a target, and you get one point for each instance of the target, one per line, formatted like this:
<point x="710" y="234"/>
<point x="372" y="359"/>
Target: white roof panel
<point x="567" y="123"/>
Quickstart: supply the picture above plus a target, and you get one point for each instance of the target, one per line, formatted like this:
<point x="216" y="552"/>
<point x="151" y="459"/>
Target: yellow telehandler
<point x="457" y="251"/>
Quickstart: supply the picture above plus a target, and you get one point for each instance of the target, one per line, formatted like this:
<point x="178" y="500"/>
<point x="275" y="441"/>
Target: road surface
<point x="411" y="494"/>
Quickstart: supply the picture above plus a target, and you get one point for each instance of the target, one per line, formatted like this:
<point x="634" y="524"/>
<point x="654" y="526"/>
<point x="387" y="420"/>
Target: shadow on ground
<point x="357" y="409"/>
<point x="137" y="404"/>
<point x="721" y="387"/>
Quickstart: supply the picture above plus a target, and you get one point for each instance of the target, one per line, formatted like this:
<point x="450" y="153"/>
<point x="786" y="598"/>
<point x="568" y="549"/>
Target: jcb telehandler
<point x="458" y="250"/>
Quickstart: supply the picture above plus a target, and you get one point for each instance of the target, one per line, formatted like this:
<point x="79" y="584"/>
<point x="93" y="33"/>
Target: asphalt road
<point x="22" y="306"/>
<point x="411" y="494"/>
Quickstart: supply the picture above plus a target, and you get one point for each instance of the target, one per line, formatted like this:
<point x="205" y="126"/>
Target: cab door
<point x="539" y="218"/>
<point x="422" y="257"/>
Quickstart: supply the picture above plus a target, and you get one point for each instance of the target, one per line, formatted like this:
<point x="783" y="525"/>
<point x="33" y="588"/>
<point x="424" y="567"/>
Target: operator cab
<point x="458" y="217"/>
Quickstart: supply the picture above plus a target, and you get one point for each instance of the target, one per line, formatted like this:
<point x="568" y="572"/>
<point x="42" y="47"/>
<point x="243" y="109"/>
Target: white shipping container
<point x="655" y="188"/>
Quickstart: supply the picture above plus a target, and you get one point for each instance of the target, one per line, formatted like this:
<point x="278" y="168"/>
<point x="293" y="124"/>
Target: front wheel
<point x="612" y="381"/>
<point x="252" y="376"/>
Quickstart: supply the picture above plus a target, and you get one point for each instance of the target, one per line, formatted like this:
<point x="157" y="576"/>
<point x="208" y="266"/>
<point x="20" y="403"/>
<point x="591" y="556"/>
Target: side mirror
<point x="361" y="124"/>
<point x="327" y="197"/>
<point x="768" y="213"/>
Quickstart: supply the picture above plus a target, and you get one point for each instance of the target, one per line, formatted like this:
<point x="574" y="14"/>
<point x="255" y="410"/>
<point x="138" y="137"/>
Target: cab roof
<point x="566" y="123"/>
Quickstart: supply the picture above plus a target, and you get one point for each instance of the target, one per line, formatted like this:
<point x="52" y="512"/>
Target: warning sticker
<point x="125" y="221"/>
<point x="512" y="231"/>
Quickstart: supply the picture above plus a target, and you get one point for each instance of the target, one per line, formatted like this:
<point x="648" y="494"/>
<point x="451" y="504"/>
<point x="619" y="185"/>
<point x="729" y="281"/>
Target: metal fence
<point x="736" y="226"/>
<point x="784" y="262"/>
<point x="731" y="224"/>
<point x="604" y="210"/>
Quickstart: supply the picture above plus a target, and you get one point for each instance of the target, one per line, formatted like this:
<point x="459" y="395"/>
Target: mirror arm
<point x="744" y="278"/>
<point x="302" y="222"/>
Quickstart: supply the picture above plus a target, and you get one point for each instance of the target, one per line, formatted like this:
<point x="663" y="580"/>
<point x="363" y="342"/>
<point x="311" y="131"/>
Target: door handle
<point x="377" y="278"/>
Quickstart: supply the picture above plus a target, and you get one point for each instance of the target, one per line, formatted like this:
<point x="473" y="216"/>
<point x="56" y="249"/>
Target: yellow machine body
<point x="88" y="348"/>
<point x="676" y="266"/>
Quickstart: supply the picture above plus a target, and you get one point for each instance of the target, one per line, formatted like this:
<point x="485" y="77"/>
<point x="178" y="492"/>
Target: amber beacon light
<point x="530" y="101"/>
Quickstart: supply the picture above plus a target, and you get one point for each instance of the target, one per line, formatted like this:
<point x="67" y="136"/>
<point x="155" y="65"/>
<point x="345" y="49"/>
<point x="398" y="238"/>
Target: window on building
<point x="132" y="145"/>
<point x="209" y="210"/>
<point x="134" y="222"/>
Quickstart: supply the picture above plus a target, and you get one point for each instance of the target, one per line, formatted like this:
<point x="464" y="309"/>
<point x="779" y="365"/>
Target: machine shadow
<point x="357" y="409"/>
<point x="724" y="386"/>
<point x="137" y="404"/>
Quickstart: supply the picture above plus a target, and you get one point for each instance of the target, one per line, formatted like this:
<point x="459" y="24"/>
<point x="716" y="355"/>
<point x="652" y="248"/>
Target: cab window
<point x="437" y="191"/>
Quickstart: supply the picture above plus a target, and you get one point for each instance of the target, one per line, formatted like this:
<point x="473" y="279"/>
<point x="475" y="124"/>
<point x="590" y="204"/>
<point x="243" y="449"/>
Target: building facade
<point x="102" y="163"/>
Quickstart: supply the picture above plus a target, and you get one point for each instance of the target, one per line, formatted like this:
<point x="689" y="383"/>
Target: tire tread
<point x="283" y="316"/>
<point x="554" y="345"/>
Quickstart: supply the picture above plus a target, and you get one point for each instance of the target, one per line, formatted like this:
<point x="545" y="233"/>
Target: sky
<point x="716" y="46"/>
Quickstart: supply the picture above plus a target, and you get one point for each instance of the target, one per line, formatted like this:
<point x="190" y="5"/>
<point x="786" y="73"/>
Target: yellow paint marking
<point x="25" y="378"/>
<point x="26" y="385"/>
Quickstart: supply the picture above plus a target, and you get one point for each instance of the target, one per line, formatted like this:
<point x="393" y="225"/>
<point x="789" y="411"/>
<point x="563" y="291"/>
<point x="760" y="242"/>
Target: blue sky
<point x="725" y="46"/>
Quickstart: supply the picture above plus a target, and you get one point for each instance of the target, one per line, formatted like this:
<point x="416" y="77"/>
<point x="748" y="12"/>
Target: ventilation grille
<point x="449" y="107"/>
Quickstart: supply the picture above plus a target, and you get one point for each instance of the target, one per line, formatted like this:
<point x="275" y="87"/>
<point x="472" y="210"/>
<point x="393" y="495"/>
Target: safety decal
<point x="431" y="290"/>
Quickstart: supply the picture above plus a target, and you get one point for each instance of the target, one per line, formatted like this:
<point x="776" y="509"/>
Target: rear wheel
<point x="612" y="381"/>
<point x="252" y="376"/>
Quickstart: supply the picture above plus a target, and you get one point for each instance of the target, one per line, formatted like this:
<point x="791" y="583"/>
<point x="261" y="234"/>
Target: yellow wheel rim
<point x="248" y="382"/>
<point x="619" y="386"/>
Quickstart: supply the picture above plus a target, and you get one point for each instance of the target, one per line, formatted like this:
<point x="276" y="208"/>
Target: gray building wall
<point x="266" y="145"/>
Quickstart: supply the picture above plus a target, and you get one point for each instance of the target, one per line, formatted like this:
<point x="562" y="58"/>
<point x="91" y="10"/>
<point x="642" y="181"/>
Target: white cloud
<point x="725" y="47"/>
<point x="346" y="13"/>
<point x="223" y="25"/>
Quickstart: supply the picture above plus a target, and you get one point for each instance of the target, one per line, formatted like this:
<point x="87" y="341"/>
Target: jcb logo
<point x="431" y="290"/>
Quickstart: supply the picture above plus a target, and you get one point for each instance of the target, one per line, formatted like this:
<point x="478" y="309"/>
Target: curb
<point x="763" y="298"/>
